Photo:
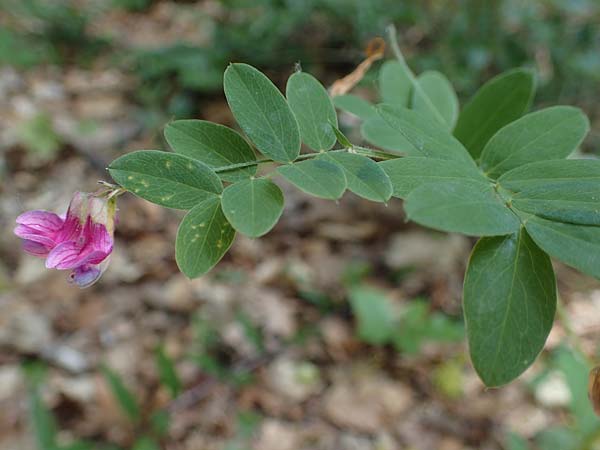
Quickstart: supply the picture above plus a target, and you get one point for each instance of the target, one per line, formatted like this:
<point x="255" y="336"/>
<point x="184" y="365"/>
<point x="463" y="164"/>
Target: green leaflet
<point x="428" y="138"/>
<point x="410" y="172"/>
<point x="253" y="206"/>
<point x="551" y="133"/>
<point x="355" y="105"/>
<point x="498" y="102"/>
<point x="509" y="305"/>
<point x="441" y="96"/>
<point x="566" y="191"/>
<point x="469" y="207"/>
<point x="126" y="399"/>
<point x="203" y="237"/>
<point x="317" y="177"/>
<point x="313" y="109"/>
<point x="365" y="177"/>
<point x="576" y="368"/>
<point x="164" y="178"/>
<point x="262" y="112"/>
<point x="376" y="131"/>
<point x="394" y="84"/>
<point x="213" y="144"/>
<point x="575" y="245"/>
<point x="374" y="314"/>
<point x="167" y="372"/>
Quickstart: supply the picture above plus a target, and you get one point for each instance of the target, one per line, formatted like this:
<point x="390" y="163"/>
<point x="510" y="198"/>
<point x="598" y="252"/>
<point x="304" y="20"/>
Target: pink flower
<point x="82" y="241"/>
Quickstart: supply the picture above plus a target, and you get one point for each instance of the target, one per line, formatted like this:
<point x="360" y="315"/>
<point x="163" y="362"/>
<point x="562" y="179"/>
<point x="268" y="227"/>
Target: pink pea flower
<point x="81" y="241"/>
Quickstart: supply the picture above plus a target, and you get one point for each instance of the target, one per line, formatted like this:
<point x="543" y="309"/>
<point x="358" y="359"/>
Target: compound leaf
<point x="441" y="96"/>
<point x="355" y="105"/>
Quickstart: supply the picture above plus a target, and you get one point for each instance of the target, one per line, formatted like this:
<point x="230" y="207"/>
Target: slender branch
<point x="393" y="38"/>
<point x="369" y="152"/>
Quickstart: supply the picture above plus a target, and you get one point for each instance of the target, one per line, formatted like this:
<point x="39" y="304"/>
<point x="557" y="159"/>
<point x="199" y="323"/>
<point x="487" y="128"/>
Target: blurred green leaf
<point x="160" y="421"/>
<point x="576" y="370"/>
<point x="516" y="442"/>
<point x="37" y="135"/>
<point x="124" y="397"/>
<point x="167" y="372"/>
<point x="355" y="105"/>
<point x="252" y="332"/>
<point x="417" y="325"/>
<point x="394" y="84"/>
<point x="42" y="421"/>
<point x="374" y="315"/>
<point x="442" y="103"/>
<point x="145" y="443"/>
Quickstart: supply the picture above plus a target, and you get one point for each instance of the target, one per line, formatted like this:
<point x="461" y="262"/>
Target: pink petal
<point x="65" y="255"/>
<point x="43" y="221"/>
<point x="71" y="229"/>
<point x="92" y="247"/>
<point x="98" y="237"/>
<point x="35" y="248"/>
<point x="31" y="234"/>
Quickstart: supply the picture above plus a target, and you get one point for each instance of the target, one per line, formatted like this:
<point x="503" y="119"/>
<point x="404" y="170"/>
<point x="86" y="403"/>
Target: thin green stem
<point x="393" y="38"/>
<point x="369" y="152"/>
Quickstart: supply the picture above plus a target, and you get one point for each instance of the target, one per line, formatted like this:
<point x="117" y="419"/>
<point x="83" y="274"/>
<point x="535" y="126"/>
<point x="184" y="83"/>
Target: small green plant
<point x="582" y="432"/>
<point x="38" y="137"/>
<point x="491" y="170"/>
<point x="407" y="329"/>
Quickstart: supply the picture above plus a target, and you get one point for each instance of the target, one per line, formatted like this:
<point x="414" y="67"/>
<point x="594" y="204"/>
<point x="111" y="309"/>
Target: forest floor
<point x="266" y="345"/>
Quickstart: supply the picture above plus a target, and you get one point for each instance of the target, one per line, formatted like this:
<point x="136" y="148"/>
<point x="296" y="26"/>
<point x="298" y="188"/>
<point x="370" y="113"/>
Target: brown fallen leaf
<point x="375" y="50"/>
<point x="594" y="389"/>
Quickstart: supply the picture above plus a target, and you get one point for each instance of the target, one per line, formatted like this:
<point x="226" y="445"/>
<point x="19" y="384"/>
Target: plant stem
<point x="369" y="152"/>
<point x="393" y="38"/>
